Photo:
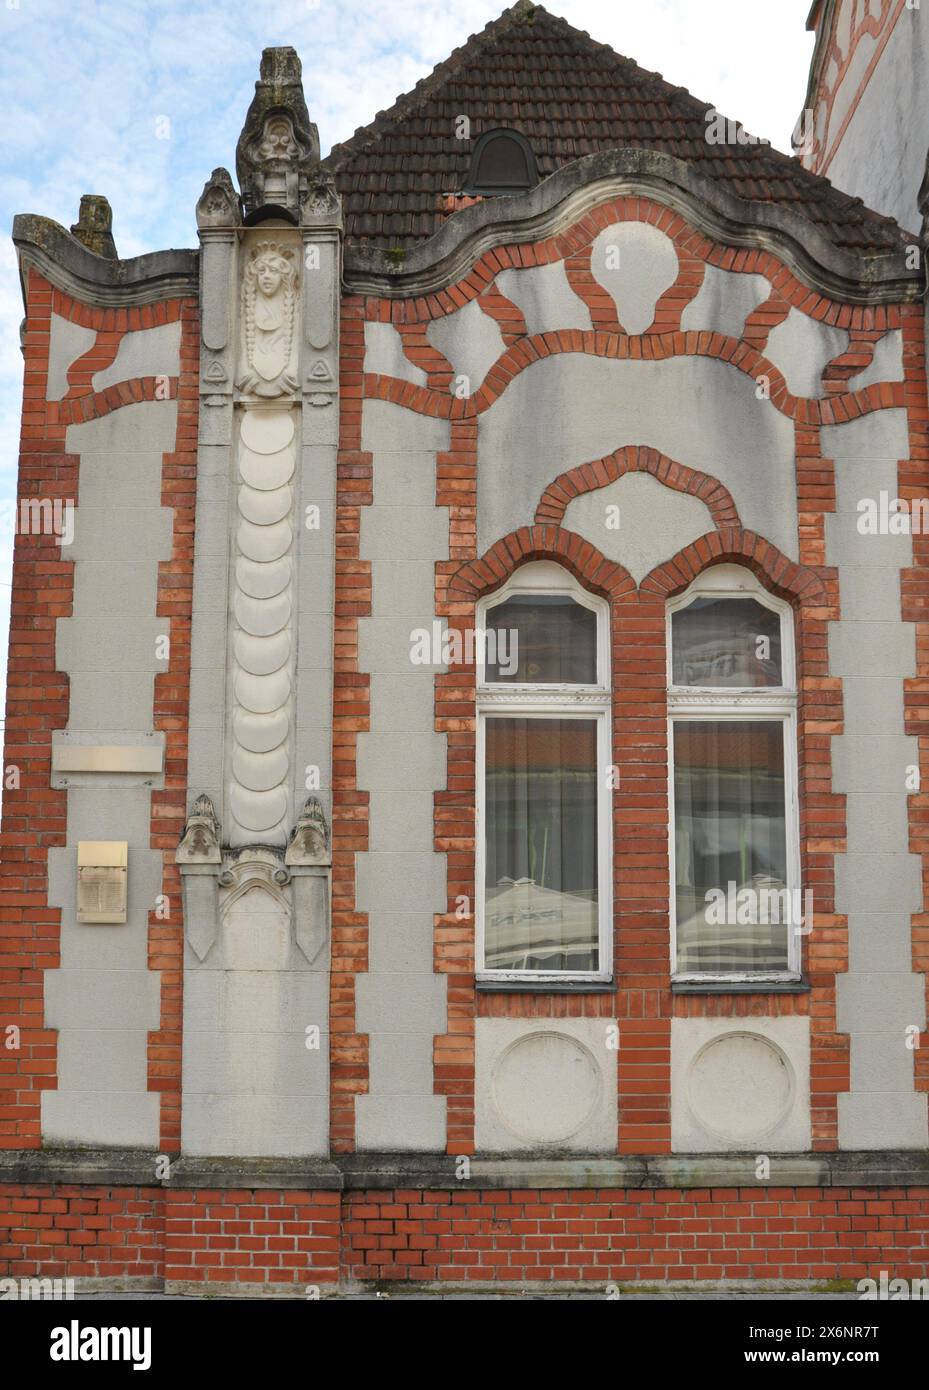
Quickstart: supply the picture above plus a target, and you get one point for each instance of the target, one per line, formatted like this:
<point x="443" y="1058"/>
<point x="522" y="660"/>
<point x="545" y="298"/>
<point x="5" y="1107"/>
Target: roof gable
<point x="570" y="97"/>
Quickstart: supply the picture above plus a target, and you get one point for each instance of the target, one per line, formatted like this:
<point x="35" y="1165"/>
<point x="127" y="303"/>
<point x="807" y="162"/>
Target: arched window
<point x="502" y="162"/>
<point x="736" y="903"/>
<point x="544" y="792"/>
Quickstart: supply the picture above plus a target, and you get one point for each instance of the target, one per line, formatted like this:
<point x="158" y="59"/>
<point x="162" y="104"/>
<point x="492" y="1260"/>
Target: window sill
<point x="545" y="986"/>
<point x="723" y="986"/>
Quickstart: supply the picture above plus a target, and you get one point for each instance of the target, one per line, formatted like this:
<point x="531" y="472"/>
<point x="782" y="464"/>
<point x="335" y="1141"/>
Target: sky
<point x="140" y="101"/>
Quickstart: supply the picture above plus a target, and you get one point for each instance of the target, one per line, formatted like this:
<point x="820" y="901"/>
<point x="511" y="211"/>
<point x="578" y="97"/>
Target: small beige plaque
<point x="101" y="881"/>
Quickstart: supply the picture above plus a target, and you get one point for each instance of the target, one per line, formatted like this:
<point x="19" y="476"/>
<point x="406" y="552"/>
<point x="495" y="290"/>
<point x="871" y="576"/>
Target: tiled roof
<point x="570" y="96"/>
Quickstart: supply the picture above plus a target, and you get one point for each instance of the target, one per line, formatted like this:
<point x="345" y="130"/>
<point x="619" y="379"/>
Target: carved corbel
<point x="199" y="858"/>
<point x="308" y="857"/>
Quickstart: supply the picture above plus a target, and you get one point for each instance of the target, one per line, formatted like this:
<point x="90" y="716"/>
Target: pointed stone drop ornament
<point x="199" y="859"/>
<point x="308" y="856"/>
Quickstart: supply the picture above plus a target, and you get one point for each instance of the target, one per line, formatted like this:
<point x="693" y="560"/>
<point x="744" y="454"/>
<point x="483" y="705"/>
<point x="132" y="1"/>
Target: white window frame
<point x="549" y="701"/>
<point x="778" y="703"/>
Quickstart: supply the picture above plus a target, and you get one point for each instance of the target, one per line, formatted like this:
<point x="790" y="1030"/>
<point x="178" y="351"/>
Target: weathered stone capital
<point x="200" y="841"/>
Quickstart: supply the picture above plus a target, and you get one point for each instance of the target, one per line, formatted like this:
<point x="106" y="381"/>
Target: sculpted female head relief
<point x="269" y="306"/>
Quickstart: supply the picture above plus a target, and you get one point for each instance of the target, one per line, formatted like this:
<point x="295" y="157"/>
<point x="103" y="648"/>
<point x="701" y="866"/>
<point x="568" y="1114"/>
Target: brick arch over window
<point x="637" y="458"/>
<point x="736" y="545"/>
<point x="733" y="544"/>
<point x="539" y="542"/>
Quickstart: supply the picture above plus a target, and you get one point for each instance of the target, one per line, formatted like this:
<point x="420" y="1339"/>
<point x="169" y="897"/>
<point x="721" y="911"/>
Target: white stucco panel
<point x="545" y="1084"/>
<point x="635" y="264"/>
<point x="144" y="352"/>
<point x="470" y="339"/>
<point x="740" y="1084"/>
<point x="620" y="520"/>
<point x="545" y="298"/>
<point x="573" y="408"/>
<point x="384" y="354"/>
<point x="724" y="301"/>
<point x="801" y="348"/>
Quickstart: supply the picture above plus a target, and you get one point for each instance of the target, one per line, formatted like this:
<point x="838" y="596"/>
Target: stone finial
<point x="200" y="841"/>
<point x="94" y="226"/>
<point x="309" y="842"/>
<point x="218" y="205"/>
<point x="279" y="144"/>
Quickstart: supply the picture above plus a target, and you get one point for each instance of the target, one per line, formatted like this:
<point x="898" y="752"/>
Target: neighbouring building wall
<point x="867" y="109"/>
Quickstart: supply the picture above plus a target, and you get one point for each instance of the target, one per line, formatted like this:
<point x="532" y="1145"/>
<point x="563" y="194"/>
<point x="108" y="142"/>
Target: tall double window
<point x="736" y="903"/>
<point x="545" y="783"/>
<point x="544" y="789"/>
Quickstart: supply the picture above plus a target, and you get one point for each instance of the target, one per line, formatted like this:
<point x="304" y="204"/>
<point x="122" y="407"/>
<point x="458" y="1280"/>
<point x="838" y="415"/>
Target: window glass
<point x="724" y="642"/>
<point x="541" y="896"/>
<point x="541" y="639"/>
<point x="733" y="908"/>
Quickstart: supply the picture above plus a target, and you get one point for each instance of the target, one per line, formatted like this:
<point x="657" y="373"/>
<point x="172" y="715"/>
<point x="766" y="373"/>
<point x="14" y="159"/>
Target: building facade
<point x="467" y="708"/>
<point x="866" y="106"/>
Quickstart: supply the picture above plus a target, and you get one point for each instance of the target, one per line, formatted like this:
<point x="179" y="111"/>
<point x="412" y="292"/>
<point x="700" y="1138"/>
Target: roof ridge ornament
<point x="278" y="149"/>
<point x="218" y="205"/>
<point x="94" y="226"/>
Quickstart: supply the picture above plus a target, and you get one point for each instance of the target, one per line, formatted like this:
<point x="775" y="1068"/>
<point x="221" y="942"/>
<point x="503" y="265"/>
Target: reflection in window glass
<point x="725" y="642"/>
<point x="541" y="899"/>
<point x="541" y="639"/>
<point x="730" y="836"/>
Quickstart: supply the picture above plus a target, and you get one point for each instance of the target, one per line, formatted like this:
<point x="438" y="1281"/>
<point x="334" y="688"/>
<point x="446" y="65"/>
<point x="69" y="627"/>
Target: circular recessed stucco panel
<point x="740" y="1087"/>
<point x="267" y="471"/>
<point x="266" y="432"/>
<point x="546" y="1086"/>
<point x="261" y="579"/>
<point x="265" y="508"/>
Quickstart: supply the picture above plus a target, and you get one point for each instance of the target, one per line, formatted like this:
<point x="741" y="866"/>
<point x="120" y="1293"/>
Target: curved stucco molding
<point x="574" y="190"/>
<point x="69" y="266"/>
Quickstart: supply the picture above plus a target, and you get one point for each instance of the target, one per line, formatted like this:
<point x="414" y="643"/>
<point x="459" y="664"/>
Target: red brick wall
<point x="34" y="815"/>
<point x="82" y="1232"/>
<point x="508" y="1237"/>
<point x="261" y="1237"/>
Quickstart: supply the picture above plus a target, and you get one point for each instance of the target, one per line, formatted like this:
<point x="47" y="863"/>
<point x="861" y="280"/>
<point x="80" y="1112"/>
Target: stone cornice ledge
<point x="68" y="265"/>
<point x="565" y="196"/>
<point x="354" y="1172"/>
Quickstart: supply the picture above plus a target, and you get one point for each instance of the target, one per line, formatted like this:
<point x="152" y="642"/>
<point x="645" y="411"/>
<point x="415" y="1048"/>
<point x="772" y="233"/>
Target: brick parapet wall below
<point x="305" y="1243"/>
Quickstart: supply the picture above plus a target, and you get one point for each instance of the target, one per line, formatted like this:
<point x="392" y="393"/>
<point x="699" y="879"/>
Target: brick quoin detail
<point x="34" y="815"/>
<point x="348" y="1069"/>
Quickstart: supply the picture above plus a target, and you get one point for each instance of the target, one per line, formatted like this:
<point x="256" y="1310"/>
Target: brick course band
<point x="305" y="1243"/>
